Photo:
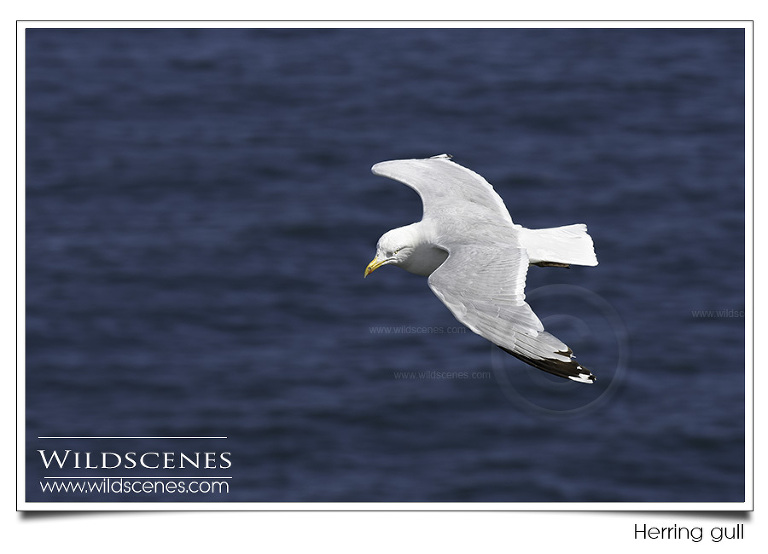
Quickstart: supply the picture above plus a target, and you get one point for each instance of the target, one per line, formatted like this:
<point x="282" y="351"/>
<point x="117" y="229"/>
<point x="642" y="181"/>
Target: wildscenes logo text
<point x="130" y="460"/>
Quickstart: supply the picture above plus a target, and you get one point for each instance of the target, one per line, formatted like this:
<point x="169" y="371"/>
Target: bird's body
<point x="477" y="259"/>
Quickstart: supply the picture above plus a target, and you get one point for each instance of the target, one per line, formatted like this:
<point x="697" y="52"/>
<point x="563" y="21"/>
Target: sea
<point x="200" y="210"/>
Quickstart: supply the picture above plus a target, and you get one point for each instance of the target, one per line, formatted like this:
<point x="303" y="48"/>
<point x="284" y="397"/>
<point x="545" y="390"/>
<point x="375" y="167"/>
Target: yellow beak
<point x="375" y="264"/>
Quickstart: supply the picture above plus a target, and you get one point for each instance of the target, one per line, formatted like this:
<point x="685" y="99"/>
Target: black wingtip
<point x="552" y="264"/>
<point x="567" y="370"/>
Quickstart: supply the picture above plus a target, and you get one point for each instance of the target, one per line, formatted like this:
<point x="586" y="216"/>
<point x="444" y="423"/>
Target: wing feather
<point x="444" y="186"/>
<point x="483" y="286"/>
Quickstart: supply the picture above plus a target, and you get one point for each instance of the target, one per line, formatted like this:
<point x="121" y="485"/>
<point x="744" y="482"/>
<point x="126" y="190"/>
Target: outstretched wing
<point x="483" y="287"/>
<point x="444" y="186"/>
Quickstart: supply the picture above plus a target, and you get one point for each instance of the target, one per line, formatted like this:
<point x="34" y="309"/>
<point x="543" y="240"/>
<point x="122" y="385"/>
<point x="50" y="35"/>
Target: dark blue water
<point x="200" y="211"/>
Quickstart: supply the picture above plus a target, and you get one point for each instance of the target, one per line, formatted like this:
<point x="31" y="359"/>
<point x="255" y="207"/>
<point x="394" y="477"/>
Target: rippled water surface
<point x="199" y="212"/>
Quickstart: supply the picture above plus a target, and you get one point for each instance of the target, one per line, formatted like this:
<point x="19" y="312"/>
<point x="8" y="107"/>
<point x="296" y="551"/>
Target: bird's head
<point x="394" y="247"/>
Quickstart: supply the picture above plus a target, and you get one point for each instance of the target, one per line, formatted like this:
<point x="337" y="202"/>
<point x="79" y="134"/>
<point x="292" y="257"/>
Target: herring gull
<point x="476" y="258"/>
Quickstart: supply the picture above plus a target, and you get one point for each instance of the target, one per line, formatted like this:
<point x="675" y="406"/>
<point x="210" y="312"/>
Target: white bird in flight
<point x="476" y="258"/>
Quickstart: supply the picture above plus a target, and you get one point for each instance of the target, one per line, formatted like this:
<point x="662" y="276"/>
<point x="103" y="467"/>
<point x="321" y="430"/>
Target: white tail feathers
<point x="569" y="245"/>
